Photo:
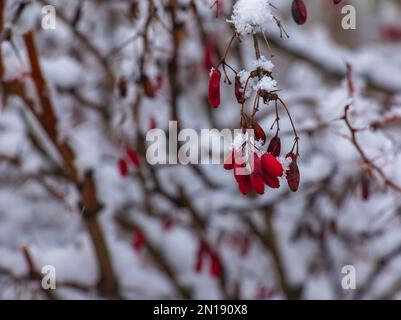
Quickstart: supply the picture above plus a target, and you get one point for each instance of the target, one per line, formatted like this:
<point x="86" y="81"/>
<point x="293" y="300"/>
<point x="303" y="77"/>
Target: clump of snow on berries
<point x="251" y="16"/>
<point x="263" y="63"/>
<point x="266" y="83"/>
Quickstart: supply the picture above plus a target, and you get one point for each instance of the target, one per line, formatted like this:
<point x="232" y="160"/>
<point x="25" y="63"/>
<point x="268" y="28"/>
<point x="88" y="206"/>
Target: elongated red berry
<point x="237" y="90"/>
<point x="272" y="182"/>
<point x="259" y="132"/>
<point x="203" y="248"/>
<point x="220" y="8"/>
<point x="208" y="58"/>
<point x="215" y="265"/>
<point x="138" y="240"/>
<point x="272" y="166"/>
<point x="257" y="168"/>
<point x="292" y="174"/>
<point x="336" y="1"/>
<point x="257" y="183"/>
<point x="133" y="156"/>
<point x="244" y="184"/>
<point x="229" y="161"/>
<point x="299" y="11"/>
<point x="274" y="146"/>
<point x="123" y="167"/>
<point x="240" y="171"/>
<point x="214" y="88"/>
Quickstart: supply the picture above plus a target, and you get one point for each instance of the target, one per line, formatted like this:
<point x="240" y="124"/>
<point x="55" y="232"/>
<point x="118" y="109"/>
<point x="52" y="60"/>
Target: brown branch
<point x="10" y="159"/>
<point x="256" y="46"/>
<point x="33" y="274"/>
<point x="173" y="64"/>
<point x="354" y="140"/>
<point x="110" y="78"/>
<point x="90" y="205"/>
<point x="46" y="115"/>
<point x="2" y="9"/>
<point x="381" y="263"/>
<point x="269" y="240"/>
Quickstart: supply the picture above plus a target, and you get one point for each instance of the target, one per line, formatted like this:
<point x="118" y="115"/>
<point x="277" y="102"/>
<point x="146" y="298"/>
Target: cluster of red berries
<point x="265" y="169"/>
<point x="262" y="168"/>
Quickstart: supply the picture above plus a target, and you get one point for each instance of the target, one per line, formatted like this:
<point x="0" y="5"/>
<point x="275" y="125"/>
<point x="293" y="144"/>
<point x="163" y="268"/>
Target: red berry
<point x="138" y="240"/>
<point x="237" y="90"/>
<point x="214" y="88"/>
<point x="391" y="33"/>
<point x="274" y="146"/>
<point x="240" y="171"/>
<point x="133" y="156"/>
<point x="215" y="265"/>
<point x="220" y="7"/>
<point x="244" y="184"/>
<point x="272" y="182"/>
<point x="336" y="1"/>
<point x="257" y="168"/>
<point x="271" y="165"/>
<point x="259" y="133"/>
<point x="257" y="183"/>
<point x="229" y="161"/>
<point x="292" y="174"/>
<point x="203" y="248"/>
<point x="208" y="57"/>
<point x="123" y="167"/>
<point x="299" y="11"/>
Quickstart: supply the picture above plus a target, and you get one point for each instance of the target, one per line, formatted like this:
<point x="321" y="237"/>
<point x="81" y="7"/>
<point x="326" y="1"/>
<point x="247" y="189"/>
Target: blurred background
<point x="77" y="193"/>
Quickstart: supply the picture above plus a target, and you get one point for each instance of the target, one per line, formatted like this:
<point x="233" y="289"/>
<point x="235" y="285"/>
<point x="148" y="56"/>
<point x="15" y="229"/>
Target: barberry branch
<point x="90" y="205"/>
<point x="370" y="165"/>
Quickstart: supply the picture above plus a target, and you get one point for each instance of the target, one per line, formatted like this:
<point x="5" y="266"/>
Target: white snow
<point x="266" y="83"/>
<point x="263" y="63"/>
<point x="251" y="16"/>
